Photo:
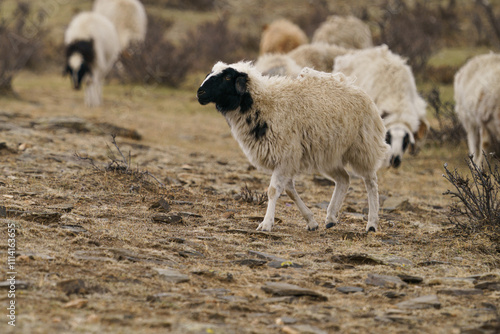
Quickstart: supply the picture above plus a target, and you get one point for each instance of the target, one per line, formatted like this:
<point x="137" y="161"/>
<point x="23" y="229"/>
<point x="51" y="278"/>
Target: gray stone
<point x="460" y="292"/>
<point x="171" y="275"/>
<point x="307" y="329"/>
<point x="411" y="279"/>
<point x="285" y="289"/>
<point x="423" y="302"/>
<point x="391" y="282"/>
<point x="488" y="286"/>
<point x="350" y="289"/>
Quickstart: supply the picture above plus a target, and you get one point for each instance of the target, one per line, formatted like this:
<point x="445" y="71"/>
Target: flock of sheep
<point x="306" y="107"/>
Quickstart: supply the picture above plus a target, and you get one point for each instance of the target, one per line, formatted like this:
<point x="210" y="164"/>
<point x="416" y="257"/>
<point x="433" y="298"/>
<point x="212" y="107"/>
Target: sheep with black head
<point x="92" y="47"/>
<point x="289" y="126"/>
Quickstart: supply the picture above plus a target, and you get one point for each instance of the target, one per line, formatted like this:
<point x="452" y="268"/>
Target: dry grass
<point x="189" y="148"/>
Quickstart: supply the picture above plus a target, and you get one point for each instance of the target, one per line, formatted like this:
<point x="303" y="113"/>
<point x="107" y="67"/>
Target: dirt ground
<point x="170" y="245"/>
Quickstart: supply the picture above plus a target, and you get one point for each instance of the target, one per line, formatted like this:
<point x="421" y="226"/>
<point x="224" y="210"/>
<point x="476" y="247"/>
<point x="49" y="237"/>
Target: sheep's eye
<point x="227" y="77"/>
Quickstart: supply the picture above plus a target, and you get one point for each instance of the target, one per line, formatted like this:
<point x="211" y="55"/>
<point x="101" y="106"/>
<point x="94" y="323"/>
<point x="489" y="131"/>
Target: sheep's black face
<point x="399" y="139"/>
<point x="227" y="89"/>
<point x="79" y="59"/>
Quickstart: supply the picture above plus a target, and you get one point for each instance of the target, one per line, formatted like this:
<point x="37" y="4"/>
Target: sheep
<point x="389" y="81"/>
<point x="281" y="36"/>
<point x="348" y="32"/>
<point x="277" y="64"/>
<point x="319" y="56"/>
<point x="477" y="97"/>
<point x="288" y="126"/>
<point x="128" y="16"/>
<point x="92" y="48"/>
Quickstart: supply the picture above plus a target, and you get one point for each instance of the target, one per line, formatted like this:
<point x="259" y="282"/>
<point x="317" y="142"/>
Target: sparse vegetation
<point x="449" y="130"/>
<point x="478" y="206"/>
<point x="20" y="39"/>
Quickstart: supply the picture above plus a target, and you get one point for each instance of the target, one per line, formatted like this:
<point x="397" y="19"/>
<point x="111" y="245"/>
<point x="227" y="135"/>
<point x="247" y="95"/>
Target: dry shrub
<point x="450" y="129"/>
<point x="160" y="61"/>
<point x="478" y="206"/>
<point x="412" y="32"/>
<point x="20" y="39"/>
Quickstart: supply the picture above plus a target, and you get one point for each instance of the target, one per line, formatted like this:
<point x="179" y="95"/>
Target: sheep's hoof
<point x="371" y="229"/>
<point x="264" y="228"/>
<point x="330" y="225"/>
<point x="315" y="228"/>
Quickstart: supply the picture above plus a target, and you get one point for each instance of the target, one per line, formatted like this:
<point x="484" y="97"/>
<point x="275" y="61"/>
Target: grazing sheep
<point x="128" y="16"/>
<point x="319" y="56"/>
<point x="281" y="36"/>
<point x="92" y="48"/>
<point x="272" y="64"/>
<point x="289" y="126"/>
<point x="477" y="97"/>
<point x="348" y="32"/>
<point x="389" y="81"/>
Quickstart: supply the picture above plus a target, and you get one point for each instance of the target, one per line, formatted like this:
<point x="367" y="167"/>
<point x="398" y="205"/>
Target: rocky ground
<point x="161" y="237"/>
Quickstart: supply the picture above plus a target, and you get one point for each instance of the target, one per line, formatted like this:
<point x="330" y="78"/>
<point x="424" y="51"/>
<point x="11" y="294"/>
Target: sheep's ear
<point x="422" y="131"/>
<point x="241" y="84"/>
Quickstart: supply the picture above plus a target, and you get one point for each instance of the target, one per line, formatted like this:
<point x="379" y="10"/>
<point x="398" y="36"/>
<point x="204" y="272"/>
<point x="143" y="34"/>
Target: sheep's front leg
<point x="312" y="225"/>
<point x="373" y="202"/>
<point x="341" y="186"/>
<point x="273" y="193"/>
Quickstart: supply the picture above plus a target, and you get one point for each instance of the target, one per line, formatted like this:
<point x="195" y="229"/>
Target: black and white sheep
<point x="128" y="17"/>
<point x="389" y="81"/>
<point x="289" y="126"/>
<point x="477" y="97"/>
<point x="92" y="48"/>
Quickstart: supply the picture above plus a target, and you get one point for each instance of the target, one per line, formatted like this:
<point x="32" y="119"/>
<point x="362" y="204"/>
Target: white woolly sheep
<point x="277" y="64"/>
<point x="92" y="48"/>
<point x="345" y="31"/>
<point x="281" y="36"/>
<point x="289" y="126"/>
<point x="389" y="81"/>
<point x="319" y="56"/>
<point x="477" y="97"/>
<point x="128" y="16"/>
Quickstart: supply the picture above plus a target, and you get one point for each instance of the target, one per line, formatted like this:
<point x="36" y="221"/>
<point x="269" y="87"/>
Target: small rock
<point x="488" y="286"/>
<point x="77" y="303"/>
<point x="410" y="279"/>
<point x="357" y="259"/>
<point x="285" y="321"/>
<point x="73" y="228"/>
<point x="394" y="294"/>
<point x="19" y="284"/>
<point x="350" y="289"/>
<point x="285" y="289"/>
<point x="160" y="205"/>
<point x="423" y="302"/>
<point x="252" y="263"/>
<point x="460" y="292"/>
<point x="391" y="282"/>
<point x="167" y="219"/>
<point x="171" y="275"/>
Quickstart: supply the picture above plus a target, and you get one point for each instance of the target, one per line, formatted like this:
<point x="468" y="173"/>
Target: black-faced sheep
<point x="389" y="81"/>
<point x="281" y="36"/>
<point x="477" y="97"/>
<point x="289" y="126"/>
<point x="128" y="16"/>
<point x="348" y="32"/>
<point x="92" y="48"/>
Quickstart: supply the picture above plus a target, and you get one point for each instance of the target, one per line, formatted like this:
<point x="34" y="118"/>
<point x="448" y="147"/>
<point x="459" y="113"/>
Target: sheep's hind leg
<point x="373" y="202"/>
<point x="273" y="193"/>
<point x="312" y="225"/>
<point x="341" y="186"/>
